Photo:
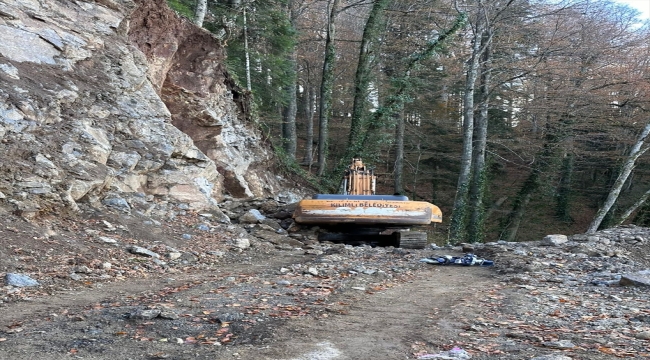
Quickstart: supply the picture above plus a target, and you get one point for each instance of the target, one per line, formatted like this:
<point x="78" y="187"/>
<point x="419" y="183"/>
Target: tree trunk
<point x="516" y="216"/>
<point x="531" y="184"/>
<point x="248" y="59"/>
<point x="633" y="208"/>
<point x="362" y="78"/>
<point x="416" y="172"/>
<point x="497" y="204"/>
<point x="289" y="141"/>
<point x="310" y="105"/>
<point x="289" y="114"/>
<point x="199" y="12"/>
<point x="457" y="225"/>
<point x="479" y="178"/>
<point x="563" y="210"/>
<point x="636" y="151"/>
<point x="395" y="102"/>
<point x="554" y="135"/>
<point x="399" y="154"/>
<point x="327" y="84"/>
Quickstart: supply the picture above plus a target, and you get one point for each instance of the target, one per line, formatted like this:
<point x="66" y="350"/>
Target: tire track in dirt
<point x="385" y="324"/>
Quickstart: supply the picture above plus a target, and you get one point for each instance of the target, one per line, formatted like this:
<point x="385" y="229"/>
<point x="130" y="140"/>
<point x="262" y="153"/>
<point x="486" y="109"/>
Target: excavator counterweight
<point x="359" y="213"/>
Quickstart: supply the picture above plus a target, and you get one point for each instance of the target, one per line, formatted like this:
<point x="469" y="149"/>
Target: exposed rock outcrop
<point x="121" y="104"/>
<point x="186" y="69"/>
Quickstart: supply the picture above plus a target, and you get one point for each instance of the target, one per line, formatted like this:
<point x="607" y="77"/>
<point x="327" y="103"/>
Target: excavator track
<point x="412" y="239"/>
<point x="402" y="238"/>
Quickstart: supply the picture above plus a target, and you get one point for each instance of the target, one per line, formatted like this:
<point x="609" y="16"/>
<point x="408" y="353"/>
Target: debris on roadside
<point x="465" y="260"/>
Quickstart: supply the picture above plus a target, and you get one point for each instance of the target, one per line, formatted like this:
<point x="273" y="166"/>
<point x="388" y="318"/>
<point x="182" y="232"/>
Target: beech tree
<point x="201" y="8"/>
<point x="637" y="150"/>
<point x="367" y="50"/>
<point x="309" y="107"/>
<point x="576" y="76"/>
<point x="537" y="125"/>
<point x="401" y="84"/>
<point x="327" y="82"/>
<point x="289" y="140"/>
<point x="478" y="182"/>
<point x="500" y="20"/>
<point x="478" y="25"/>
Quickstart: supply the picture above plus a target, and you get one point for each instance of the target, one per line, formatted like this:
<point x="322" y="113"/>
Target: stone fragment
<point x="552" y="357"/>
<point x="82" y="269"/>
<point x="641" y="278"/>
<point x="467" y="248"/>
<point x="242" y="243"/>
<point x="253" y="216"/>
<point x="278" y="239"/>
<point x="585" y="249"/>
<point x="580" y="238"/>
<point x="282" y="214"/>
<point x="313" y="252"/>
<point x="229" y="317"/>
<point x="117" y="202"/>
<point x="554" y="240"/>
<point x="560" y="344"/>
<point x="10" y="71"/>
<point x="142" y="251"/>
<point x="168" y="314"/>
<point x="273" y="224"/>
<point x="108" y="226"/>
<point x="173" y="255"/>
<point x="188" y="258"/>
<point x="107" y="240"/>
<point x="145" y="314"/>
<point x="76" y="277"/>
<point x="20" y="280"/>
<point x="643" y="335"/>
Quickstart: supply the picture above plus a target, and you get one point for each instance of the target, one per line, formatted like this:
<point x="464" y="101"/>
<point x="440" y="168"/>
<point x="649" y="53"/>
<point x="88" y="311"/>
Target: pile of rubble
<point x="582" y="295"/>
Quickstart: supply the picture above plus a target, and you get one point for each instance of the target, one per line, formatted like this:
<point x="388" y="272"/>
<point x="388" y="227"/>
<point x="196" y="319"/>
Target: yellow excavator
<point x="359" y="216"/>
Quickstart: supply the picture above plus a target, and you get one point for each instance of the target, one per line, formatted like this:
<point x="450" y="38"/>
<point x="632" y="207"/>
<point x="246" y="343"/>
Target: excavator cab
<point x="358" y="180"/>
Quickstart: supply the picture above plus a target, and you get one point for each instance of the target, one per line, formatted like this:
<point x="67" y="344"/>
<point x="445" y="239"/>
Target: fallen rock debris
<point x="465" y="260"/>
<point x="580" y="299"/>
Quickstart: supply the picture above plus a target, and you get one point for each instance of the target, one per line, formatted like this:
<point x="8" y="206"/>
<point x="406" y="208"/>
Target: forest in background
<point x="518" y="118"/>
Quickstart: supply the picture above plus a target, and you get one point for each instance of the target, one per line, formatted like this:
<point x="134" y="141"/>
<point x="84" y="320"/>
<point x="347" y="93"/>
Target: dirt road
<point x="388" y="324"/>
<point x="383" y="320"/>
<point x="203" y="293"/>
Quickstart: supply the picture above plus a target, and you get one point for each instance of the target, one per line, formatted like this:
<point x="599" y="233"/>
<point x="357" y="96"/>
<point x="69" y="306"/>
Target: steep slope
<point x="121" y="104"/>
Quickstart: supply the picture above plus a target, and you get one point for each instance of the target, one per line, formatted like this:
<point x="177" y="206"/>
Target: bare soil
<point x="223" y="303"/>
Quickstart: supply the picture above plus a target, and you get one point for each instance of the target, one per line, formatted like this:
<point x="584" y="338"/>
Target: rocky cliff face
<point x="121" y="104"/>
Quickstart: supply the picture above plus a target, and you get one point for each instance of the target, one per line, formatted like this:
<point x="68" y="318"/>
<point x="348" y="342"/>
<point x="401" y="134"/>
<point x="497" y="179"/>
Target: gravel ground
<point x="125" y="287"/>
